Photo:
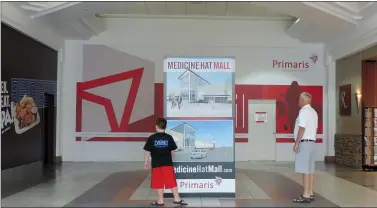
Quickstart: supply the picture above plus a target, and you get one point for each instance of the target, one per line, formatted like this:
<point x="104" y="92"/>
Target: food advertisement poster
<point x="199" y="107"/>
<point x="22" y="103"/>
<point x="28" y="71"/>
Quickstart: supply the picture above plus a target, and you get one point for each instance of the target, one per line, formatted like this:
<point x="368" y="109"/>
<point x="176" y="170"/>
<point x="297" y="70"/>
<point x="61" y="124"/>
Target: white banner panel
<point x="217" y="185"/>
<point x="199" y="64"/>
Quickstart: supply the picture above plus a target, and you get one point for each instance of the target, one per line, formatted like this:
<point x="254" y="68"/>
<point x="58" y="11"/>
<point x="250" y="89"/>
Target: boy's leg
<point x="160" y="194"/>
<point x="171" y="183"/>
<point x="175" y="194"/>
<point x="157" y="183"/>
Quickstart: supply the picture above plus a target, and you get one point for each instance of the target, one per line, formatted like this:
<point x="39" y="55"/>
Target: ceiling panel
<point x="239" y="9"/>
<point x="216" y="8"/>
<point x="196" y="8"/>
<point x="176" y="8"/>
<point x="134" y="8"/>
<point x="219" y="9"/>
<point x="156" y="8"/>
<point x="260" y="11"/>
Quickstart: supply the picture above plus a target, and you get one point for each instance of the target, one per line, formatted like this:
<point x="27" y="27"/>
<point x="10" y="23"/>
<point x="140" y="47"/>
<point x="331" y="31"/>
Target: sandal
<point x="302" y="199"/>
<point x="155" y="203"/>
<point x="182" y="202"/>
<point x="312" y="197"/>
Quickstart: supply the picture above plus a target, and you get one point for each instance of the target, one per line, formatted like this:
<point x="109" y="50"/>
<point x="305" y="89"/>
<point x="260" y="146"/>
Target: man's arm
<point x="303" y="120"/>
<point x="301" y="131"/>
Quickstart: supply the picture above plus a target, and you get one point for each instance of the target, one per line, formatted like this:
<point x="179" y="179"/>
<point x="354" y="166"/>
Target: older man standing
<point x="305" y="134"/>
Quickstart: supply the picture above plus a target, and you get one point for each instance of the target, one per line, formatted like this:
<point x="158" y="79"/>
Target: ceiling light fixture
<point x="357" y="17"/>
<point x="297" y="20"/>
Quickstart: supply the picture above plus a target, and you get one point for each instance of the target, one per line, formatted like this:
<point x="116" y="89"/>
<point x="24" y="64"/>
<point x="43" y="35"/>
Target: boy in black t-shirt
<point x="160" y="147"/>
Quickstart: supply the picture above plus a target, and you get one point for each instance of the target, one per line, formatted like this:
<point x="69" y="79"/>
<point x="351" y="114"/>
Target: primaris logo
<point x="295" y="64"/>
<point x="218" y="180"/>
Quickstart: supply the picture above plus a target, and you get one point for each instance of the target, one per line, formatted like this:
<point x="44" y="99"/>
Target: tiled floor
<point x="258" y="184"/>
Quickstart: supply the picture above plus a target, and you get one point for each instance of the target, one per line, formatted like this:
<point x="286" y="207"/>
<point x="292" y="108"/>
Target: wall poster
<point x="28" y="71"/>
<point x="199" y="109"/>
<point x="345" y="100"/>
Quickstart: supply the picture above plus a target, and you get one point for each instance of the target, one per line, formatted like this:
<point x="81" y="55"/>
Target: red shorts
<point x="163" y="177"/>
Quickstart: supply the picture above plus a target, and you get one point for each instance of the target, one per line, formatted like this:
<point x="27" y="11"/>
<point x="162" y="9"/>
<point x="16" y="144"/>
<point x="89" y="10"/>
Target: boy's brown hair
<point x="161" y="123"/>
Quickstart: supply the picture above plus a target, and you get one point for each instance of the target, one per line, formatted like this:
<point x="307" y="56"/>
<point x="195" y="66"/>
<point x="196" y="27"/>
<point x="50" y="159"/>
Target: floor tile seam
<point x="31" y="189"/>
<point x="351" y="185"/>
<point x="337" y="200"/>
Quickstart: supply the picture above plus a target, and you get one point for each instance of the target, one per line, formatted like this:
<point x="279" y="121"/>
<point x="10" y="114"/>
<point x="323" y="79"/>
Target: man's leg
<point x="311" y="184"/>
<point x="312" y="170"/>
<point x="306" y="193"/>
<point x="302" y="167"/>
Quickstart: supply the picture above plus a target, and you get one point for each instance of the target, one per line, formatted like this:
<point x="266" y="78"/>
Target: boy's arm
<point x="173" y="145"/>
<point x="146" y="157"/>
<point x="147" y="153"/>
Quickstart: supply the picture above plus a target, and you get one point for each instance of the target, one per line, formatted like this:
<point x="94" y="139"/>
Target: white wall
<point x="362" y="37"/>
<point x="253" y="44"/>
<point x="41" y="32"/>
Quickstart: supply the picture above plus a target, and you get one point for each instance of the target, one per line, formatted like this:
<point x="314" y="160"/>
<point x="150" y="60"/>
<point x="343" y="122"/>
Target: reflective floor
<point x="259" y="184"/>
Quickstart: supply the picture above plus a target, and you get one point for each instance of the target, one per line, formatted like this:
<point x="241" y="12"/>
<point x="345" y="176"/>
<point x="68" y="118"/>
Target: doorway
<point x="262" y="128"/>
<point x="49" y="138"/>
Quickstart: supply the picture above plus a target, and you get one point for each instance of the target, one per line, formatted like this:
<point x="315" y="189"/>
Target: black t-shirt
<point x="160" y="146"/>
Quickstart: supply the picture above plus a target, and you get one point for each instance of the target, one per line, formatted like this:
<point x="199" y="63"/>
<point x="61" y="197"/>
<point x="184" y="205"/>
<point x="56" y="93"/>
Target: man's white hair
<point x="306" y="97"/>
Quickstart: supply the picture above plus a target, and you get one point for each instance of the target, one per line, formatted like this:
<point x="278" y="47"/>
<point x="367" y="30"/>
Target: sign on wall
<point x="294" y="65"/>
<point x="199" y="108"/>
<point x="345" y="100"/>
<point x="260" y="117"/>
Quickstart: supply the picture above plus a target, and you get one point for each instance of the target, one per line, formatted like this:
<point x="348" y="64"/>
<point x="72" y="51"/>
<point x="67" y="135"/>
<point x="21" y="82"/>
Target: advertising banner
<point x="199" y="108"/>
<point x="28" y="71"/>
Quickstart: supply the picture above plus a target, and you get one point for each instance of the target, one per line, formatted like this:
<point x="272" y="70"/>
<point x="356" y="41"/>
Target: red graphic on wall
<point x="286" y="97"/>
<point x="82" y="94"/>
<point x="124" y="125"/>
<point x="287" y="108"/>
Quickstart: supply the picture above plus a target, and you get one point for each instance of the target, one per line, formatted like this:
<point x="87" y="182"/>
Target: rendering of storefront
<point x="191" y="83"/>
<point x="188" y="133"/>
<point x="196" y="89"/>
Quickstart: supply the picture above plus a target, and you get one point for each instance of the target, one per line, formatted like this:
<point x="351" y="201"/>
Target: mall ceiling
<point x="310" y="22"/>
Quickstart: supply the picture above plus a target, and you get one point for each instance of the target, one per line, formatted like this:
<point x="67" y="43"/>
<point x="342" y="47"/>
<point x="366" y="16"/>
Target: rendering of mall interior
<point x="83" y="83"/>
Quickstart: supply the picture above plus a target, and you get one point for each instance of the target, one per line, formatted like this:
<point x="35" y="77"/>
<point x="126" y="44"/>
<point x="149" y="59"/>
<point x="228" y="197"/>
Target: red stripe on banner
<point x="291" y="140"/>
<point x="199" y="118"/>
<point x="78" y="139"/>
<point x="117" y="139"/>
<point x="259" y="122"/>
<point x="241" y="140"/>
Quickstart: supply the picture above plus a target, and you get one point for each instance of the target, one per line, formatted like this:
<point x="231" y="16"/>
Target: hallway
<point x="258" y="185"/>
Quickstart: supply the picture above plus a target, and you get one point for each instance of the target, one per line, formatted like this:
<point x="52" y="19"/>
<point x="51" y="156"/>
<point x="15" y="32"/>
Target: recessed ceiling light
<point x="358" y="17"/>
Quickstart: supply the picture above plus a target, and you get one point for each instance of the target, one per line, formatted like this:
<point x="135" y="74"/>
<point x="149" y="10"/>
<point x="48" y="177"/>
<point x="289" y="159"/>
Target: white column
<point x="59" y="112"/>
<point x="331" y="105"/>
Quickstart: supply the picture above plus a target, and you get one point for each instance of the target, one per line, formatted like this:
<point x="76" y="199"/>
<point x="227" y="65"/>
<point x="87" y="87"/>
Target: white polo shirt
<point x="308" y="119"/>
